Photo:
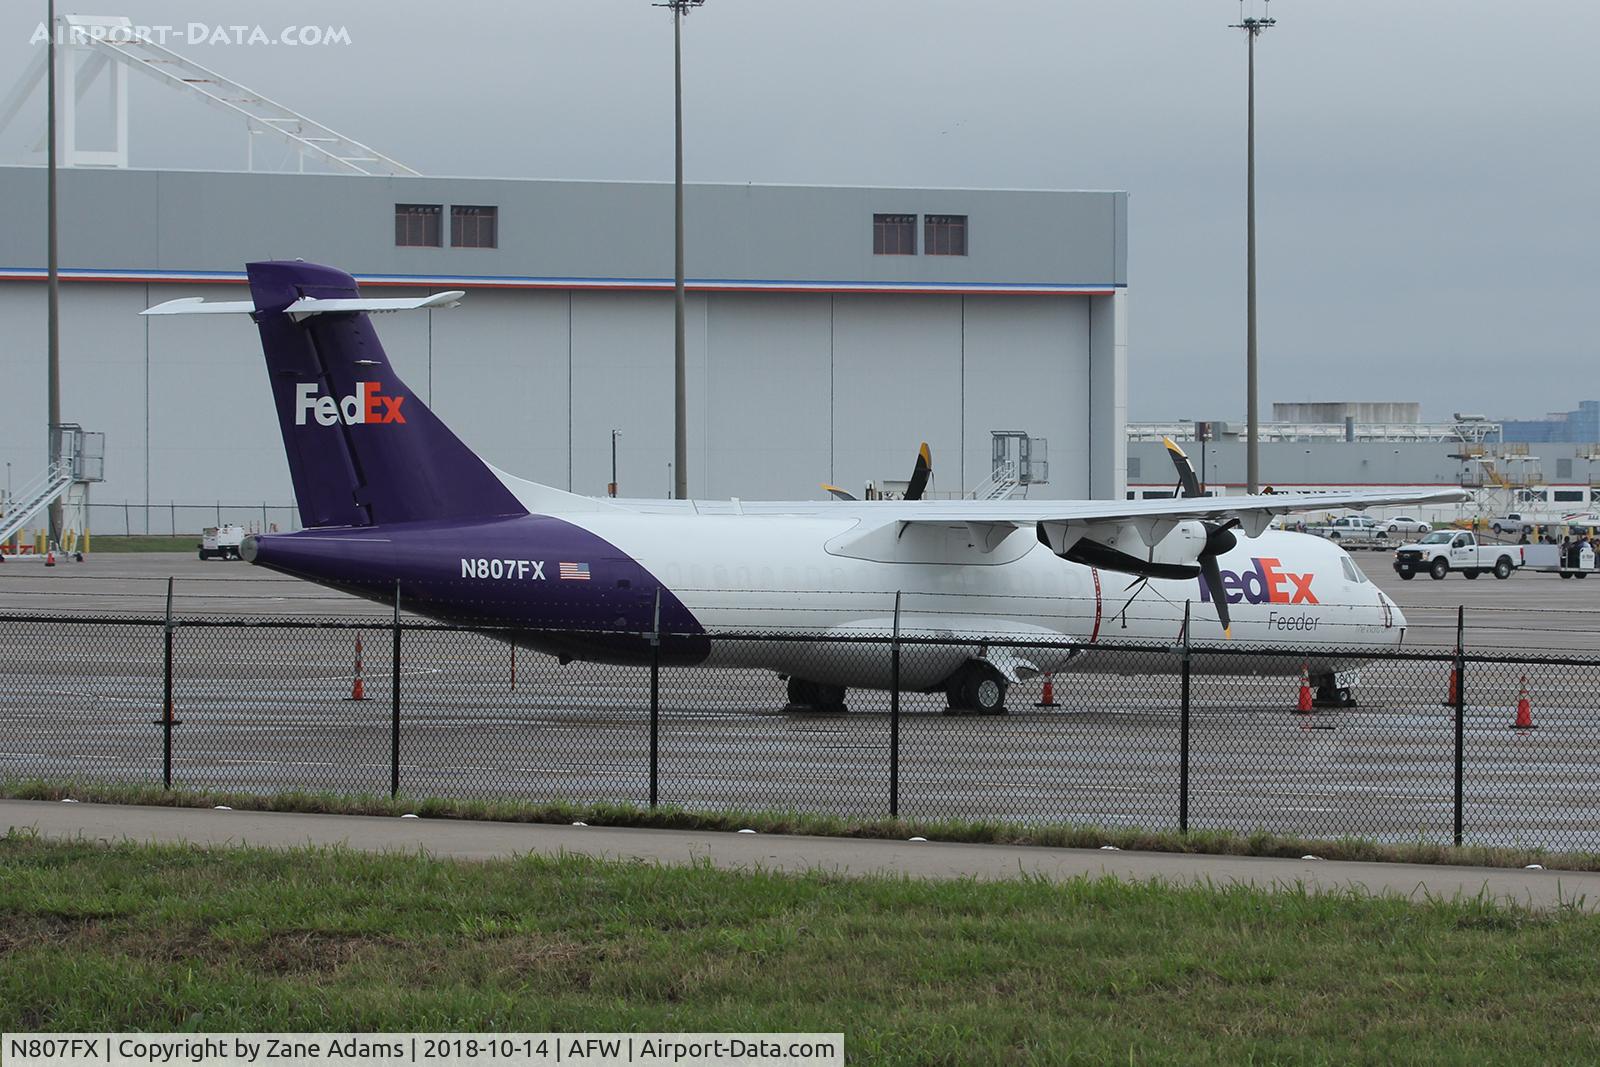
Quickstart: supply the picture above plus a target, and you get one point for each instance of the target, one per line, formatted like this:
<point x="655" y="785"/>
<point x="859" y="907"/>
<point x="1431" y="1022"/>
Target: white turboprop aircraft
<point x="392" y="500"/>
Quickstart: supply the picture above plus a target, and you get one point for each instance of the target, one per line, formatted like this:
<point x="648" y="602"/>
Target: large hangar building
<point x="829" y="329"/>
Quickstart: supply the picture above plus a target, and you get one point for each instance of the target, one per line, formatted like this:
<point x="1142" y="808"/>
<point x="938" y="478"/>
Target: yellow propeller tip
<point x="1227" y="633"/>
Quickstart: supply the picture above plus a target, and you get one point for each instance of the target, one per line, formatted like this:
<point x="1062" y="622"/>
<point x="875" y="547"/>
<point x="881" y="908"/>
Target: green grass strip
<point x="128" y="937"/>
<point x="1207" y="842"/>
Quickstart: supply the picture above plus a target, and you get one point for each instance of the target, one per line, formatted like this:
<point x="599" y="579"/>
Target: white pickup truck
<point x="1444" y="551"/>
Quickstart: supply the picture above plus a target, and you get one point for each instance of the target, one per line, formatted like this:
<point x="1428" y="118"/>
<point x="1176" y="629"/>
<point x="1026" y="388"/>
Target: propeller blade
<point x="1219" y="596"/>
<point x="838" y="494"/>
<point x="920" y="473"/>
<point x="1220" y="540"/>
<point x="1186" y="476"/>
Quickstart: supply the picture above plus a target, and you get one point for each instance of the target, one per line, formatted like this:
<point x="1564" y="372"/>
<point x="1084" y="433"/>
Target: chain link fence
<point x="1439" y="746"/>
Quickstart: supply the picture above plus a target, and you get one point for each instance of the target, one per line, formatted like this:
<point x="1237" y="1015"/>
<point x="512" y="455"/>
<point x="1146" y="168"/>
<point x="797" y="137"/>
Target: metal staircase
<point x="1001" y="484"/>
<point x="34" y="498"/>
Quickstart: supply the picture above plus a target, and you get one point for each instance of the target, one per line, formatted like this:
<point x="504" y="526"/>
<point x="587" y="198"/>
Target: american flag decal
<point x="574" y="572"/>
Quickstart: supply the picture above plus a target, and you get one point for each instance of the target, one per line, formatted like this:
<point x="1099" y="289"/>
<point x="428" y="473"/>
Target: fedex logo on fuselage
<point x="1264" y="583"/>
<point x="369" y="405"/>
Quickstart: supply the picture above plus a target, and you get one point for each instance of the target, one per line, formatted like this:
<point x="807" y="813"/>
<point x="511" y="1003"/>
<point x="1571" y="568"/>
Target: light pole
<point x="612" y="490"/>
<point x="1252" y="28"/>
<point x="680" y="441"/>
<point x="53" y="285"/>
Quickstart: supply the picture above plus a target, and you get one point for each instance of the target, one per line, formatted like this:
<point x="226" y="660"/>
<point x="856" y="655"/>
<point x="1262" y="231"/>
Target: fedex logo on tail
<point x="368" y="405"/>
<point x="1264" y="583"/>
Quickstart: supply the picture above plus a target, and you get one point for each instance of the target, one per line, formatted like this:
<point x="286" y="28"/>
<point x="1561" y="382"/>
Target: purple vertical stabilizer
<point x="362" y="449"/>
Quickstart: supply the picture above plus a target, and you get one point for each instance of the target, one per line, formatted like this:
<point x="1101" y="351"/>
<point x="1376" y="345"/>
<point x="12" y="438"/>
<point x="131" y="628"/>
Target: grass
<point x="110" y="938"/>
<point x="1209" y="842"/>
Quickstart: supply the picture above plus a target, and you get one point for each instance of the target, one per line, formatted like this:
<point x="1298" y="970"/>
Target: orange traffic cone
<point x="50" y="558"/>
<point x="1305" y="690"/>
<point x="1524" y="709"/>
<point x="1454" y="695"/>
<point x="357" y="688"/>
<point x="1047" y="699"/>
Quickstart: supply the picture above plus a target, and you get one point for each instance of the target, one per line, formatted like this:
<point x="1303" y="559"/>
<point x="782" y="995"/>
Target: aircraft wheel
<point x="815" y="695"/>
<point x="979" y="689"/>
<point x="1439" y="569"/>
<point x="1502" y="568"/>
<point x="1470" y="574"/>
<point x="1580" y="574"/>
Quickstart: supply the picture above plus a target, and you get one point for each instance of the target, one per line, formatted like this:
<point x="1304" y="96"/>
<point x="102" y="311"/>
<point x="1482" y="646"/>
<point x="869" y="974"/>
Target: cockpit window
<point x="1351" y="571"/>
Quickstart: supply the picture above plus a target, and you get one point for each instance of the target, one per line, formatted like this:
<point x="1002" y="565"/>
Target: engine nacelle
<point x="1153" y="548"/>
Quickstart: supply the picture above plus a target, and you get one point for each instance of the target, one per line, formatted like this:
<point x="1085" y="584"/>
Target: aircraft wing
<point x="1254" y="513"/>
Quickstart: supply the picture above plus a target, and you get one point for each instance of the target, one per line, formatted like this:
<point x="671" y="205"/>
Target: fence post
<point x="1461" y="707"/>
<point x="394" y="700"/>
<point x="166" y="707"/>
<point x="894" y="713"/>
<point x="1183" y="733"/>
<point x="655" y="702"/>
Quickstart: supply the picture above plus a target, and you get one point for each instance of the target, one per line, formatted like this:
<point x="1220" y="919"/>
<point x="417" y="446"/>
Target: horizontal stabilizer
<point x="307" y="306"/>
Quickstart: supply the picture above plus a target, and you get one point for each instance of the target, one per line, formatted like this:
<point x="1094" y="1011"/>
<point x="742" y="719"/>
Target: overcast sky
<point x="1426" y="171"/>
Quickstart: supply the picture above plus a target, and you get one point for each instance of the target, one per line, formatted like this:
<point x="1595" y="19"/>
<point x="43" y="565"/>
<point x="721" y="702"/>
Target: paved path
<point x="487" y="840"/>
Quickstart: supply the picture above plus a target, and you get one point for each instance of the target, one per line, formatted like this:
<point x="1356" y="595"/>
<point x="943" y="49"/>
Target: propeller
<point x="920" y="473"/>
<point x="1219" y="541"/>
<point x="914" y="488"/>
<point x="1188" y="482"/>
<point x="1220" y="538"/>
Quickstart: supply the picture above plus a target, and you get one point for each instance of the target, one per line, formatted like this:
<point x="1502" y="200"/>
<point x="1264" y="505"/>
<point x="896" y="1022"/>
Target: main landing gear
<point x="815" y="696"/>
<point x="976" y="689"/>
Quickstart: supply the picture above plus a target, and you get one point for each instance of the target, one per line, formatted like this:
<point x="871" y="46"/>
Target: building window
<point x="417" y="225"/>
<point x="894" y="235"/>
<point x="944" y="235"/>
<point x="1133" y="466"/>
<point x="474" y="227"/>
<point x="1563" y="469"/>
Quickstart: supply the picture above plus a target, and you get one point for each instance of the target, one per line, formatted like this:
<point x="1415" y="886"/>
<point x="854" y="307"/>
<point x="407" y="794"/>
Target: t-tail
<point x="363" y="450"/>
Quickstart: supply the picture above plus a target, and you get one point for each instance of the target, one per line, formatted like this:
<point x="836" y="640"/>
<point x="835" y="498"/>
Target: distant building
<point x="829" y="329"/>
<point x="1382" y="412"/>
<point x="1561" y="427"/>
